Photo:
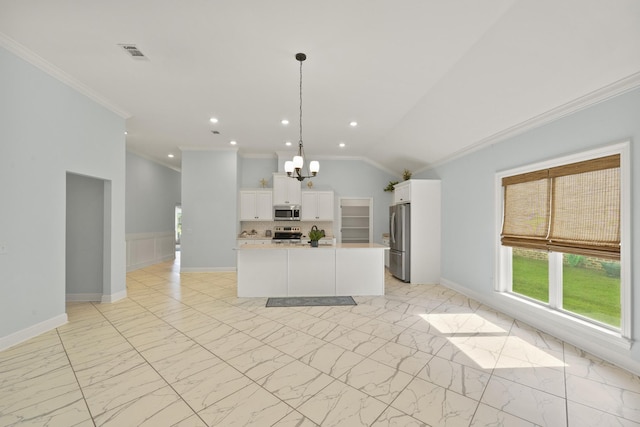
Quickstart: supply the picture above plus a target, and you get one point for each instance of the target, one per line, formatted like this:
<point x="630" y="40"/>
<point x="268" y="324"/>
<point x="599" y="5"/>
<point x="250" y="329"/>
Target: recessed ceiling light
<point x="232" y="142"/>
<point x="342" y="145"/>
<point x="288" y="143"/>
<point x="213" y="120"/>
<point x="353" y="124"/>
<point x="171" y="156"/>
<point x="285" y="122"/>
<point x="126" y="133"/>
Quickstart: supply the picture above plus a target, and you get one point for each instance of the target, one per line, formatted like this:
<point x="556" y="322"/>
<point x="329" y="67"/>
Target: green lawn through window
<point x="588" y="292"/>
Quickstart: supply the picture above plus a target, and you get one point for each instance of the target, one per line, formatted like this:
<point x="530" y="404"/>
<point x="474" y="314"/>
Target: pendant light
<point x="294" y="168"/>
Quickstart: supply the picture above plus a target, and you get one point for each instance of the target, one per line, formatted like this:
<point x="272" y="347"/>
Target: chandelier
<point x="294" y="168"/>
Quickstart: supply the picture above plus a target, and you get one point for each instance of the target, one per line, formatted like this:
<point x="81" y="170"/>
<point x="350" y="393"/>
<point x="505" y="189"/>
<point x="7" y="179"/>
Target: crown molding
<point x="365" y="160"/>
<point x="257" y="155"/>
<point x="55" y="72"/>
<point x="597" y="96"/>
<point x="195" y="148"/>
<point x="154" y="160"/>
<point x="338" y="157"/>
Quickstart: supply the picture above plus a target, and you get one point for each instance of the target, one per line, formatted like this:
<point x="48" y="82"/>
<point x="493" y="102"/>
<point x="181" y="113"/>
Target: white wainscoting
<point x="144" y="249"/>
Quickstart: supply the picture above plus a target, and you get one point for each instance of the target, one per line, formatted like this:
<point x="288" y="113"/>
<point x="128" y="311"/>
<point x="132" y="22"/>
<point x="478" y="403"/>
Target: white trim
<point x="625" y="242"/>
<point x="140" y="265"/>
<point x="32" y="331"/>
<point x="153" y="159"/>
<point x="113" y="297"/>
<point x="272" y="156"/>
<point x="361" y="159"/>
<point x="55" y="72"/>
<point x="145" y="249"/>
<point x="622" y="148"/>
<point x="555" y="279"/>
<point x="601" y="342"/>
<point x="602" y="94"/>
<point x="83" y="297"/>
<point x="148" y="235"/>
<point x="207" y="269"/>
<point x="597" y="96"/>
<point x="194" y="148"/>
<point x="349" y="158"/>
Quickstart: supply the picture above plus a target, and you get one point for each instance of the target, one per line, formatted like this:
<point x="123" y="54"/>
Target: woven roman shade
<point x="572" y="208"/>
<point x="526" y="210"/>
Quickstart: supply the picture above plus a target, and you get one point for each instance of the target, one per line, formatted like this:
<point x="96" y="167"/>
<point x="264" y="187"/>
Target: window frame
<point x="553" y="312"/>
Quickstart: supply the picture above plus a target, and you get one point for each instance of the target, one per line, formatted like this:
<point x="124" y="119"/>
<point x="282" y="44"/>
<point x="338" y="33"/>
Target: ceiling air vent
<point x="215" y="132"/>
<point x="133" y="51"/>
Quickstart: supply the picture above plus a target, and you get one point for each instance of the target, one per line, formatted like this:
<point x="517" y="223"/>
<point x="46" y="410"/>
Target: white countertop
<point x="307" y="246"/>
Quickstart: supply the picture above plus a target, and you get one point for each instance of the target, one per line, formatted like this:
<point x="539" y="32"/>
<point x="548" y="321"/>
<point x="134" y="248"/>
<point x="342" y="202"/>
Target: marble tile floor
<point x="183" y="350"/>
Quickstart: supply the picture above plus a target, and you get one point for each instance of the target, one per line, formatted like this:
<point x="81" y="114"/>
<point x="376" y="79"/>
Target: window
<point x="562" y="237"/>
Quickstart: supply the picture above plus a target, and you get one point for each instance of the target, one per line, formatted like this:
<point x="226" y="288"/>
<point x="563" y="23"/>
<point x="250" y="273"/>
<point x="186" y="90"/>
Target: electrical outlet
<point x="3" y="248"/>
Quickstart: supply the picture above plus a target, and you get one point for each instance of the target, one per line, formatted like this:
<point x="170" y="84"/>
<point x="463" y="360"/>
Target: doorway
<point x="178" y="223"/>
<point x="87" y="223"/>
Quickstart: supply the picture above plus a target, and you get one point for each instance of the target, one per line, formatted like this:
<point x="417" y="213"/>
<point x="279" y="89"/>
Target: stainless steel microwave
<point x="286" y="213"/>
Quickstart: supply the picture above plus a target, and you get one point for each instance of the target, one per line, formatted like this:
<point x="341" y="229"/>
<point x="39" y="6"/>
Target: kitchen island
<point x="280" y="270"/>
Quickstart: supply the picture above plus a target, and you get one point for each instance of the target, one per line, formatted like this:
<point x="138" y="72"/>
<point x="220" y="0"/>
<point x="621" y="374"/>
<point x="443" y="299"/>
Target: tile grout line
<point x="84" y="399"/>
<point x="212" y="353"/>
<point x="147" y="363"/>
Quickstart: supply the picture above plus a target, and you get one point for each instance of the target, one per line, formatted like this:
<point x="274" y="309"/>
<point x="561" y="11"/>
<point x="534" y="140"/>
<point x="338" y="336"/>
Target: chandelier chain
<point x="295" y="169"/>
<point x="300" y="103"/>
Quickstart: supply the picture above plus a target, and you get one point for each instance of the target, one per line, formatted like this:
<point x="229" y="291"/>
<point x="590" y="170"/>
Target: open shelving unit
<point x="356" y="220"/>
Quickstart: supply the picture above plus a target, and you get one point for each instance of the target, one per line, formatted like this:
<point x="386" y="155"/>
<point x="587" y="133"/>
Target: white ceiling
<point x="426" y="80"/>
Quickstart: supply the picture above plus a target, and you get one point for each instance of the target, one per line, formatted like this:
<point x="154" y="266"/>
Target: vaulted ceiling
<point x="426" y="80"/>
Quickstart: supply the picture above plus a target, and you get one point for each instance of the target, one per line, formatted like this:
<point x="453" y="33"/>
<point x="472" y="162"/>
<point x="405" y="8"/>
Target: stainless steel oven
<point x="286" y="213"/>
<point x="284" y="234"/>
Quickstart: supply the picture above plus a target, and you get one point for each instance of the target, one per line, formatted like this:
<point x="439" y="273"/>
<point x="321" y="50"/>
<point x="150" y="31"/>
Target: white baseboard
<point x="32" y="331"/>
<point x="145" y="249"/>
<point x="83" y="297"/>
<point x="113" y="297"/>
<point x="207" y="269"/>
<point x="602" y="343"/>
<point x="138" y="266"/>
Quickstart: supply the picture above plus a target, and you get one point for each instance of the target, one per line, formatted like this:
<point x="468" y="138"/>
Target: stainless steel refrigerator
<point x="400" y="241"/>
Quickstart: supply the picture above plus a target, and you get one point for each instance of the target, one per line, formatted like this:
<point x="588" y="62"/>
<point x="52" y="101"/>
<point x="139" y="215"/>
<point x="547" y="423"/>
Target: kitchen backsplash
<point x="261" y="227"/>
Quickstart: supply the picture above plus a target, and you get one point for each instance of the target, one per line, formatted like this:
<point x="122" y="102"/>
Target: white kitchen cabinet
<point x="286" y="191"/>
<point x="353" y="279"/>
<point x="317" y="206"/>
<point x="402" y="192"/>
<point x="312" y="272"/>
<point x="299" y="270"/>
<point x="265" y="271"/>
<point x="241" y="242"/>
<point x="256" y="205"/>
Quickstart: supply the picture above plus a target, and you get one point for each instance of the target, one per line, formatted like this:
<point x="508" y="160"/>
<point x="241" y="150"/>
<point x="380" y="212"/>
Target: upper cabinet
<point x="402" y="192"/>
<point x="317" y="206"/>
<point x="256" y="205"/>
<point x="286" y="191"/>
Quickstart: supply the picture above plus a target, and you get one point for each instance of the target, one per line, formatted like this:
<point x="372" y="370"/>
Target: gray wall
<point x="468" y="234"/>
<point x="209" y="205"/>
<point x="152" y="192"/>
<point x="46" y="130"/>
<point x="254" y="169"/>
<point x="210" y="184"/>
<point x="84" y="236"/>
